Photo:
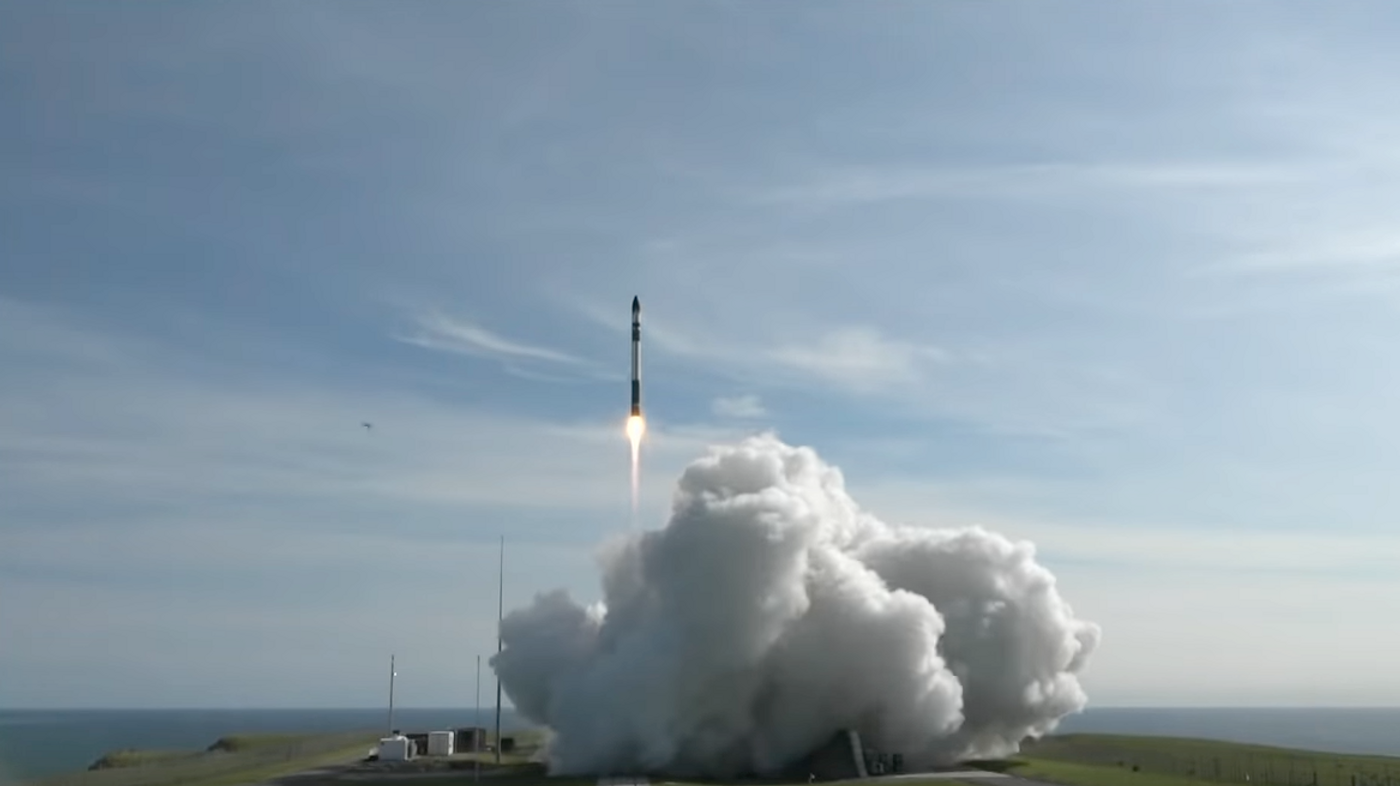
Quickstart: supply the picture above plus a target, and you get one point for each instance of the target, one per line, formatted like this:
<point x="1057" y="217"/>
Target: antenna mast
<point x="392" y="675"/>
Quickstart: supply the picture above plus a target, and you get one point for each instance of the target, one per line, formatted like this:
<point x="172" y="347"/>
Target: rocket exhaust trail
<point x="634" y="433"/>
<point x="636" y="424"/>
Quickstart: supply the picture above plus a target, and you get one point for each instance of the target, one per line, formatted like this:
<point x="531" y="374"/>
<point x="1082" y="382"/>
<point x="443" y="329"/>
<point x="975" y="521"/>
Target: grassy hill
<point x="231" y="761"/>
<point x="137" y="758"/>
<point x="1095" y="760"/>
<point x="256" y="758"/>
<point x="1106" y="759"/>
<point x="1072" y="760"/>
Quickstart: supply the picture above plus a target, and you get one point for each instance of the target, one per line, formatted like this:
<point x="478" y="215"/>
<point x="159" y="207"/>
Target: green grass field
<point x="230" y="762"/>
<point x="256" y="758"/>
<point x="135" y="758"/>
<point x="1094" y="775"/>
<point x="1071" y="760"/>
<point x="1107" y="760"/>
<point x="1113" y="760"/>
<point x="912" y="781"/>
<point x="240" y="743"/>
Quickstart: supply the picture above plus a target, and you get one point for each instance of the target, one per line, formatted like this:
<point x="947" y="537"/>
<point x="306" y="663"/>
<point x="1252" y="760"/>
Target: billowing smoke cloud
<point x="771" y="612"/>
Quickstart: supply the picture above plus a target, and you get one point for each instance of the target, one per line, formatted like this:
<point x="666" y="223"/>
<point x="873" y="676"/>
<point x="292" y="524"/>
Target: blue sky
<point x="1119" y="279"/>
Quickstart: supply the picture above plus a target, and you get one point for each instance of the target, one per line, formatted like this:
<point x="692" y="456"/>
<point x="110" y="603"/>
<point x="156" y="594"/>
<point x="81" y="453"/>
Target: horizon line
<point x="513" y="709"/>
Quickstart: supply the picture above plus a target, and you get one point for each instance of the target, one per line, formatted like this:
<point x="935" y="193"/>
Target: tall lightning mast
<point x="500" y="616"/>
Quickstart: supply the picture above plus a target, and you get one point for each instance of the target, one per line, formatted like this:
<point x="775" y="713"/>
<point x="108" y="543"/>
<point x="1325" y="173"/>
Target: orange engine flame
<point x="636" y="427"/>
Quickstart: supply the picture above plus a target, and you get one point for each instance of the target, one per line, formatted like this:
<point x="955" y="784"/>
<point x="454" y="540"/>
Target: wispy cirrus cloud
<point x="441" y="332"/>
<point x="163" y="438"/>
<point x="977" y="383"/>
<point x="1359" y="252"/>
<point x="860" y="358"/>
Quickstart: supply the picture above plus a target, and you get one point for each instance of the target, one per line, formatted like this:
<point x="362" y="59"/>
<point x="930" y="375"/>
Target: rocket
<point x="636" y="358"/>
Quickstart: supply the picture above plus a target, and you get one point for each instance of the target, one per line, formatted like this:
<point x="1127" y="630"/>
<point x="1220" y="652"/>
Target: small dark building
<point x="878" y="762"/>
<point x="507" y="744"/>
<point x="470" y="739"/>
<point x="881" y="763"/>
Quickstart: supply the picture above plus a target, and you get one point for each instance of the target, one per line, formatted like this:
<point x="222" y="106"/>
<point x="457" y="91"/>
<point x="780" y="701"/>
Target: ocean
<point x="35" y="743"/>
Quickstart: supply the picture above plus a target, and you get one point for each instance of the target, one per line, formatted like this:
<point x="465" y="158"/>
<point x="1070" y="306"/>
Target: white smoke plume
<point x="770" y="613"/>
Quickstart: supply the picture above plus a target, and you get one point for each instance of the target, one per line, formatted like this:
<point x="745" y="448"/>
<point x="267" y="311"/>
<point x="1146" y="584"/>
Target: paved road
<point x="965" y="775"/>
<point x="1001" y="779"/>
<point x="970" y="776"/>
